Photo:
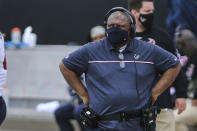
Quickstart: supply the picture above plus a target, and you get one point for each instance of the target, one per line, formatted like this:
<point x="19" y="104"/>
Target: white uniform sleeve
<point x="3" y="72"/>
<point x="2" y="50"/>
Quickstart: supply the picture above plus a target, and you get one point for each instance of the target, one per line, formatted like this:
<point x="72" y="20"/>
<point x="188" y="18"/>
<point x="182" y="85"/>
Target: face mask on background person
<point x="116" y="35"/>
<point x="146" y="20"/>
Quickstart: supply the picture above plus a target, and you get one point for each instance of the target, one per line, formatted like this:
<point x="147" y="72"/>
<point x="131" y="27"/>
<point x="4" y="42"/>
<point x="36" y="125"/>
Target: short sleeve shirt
<point x="112" y="88"/>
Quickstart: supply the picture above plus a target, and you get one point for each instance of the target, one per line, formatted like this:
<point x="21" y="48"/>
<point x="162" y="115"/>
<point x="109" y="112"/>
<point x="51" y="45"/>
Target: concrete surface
<point x="31" y="120"/>
<point x="34" y="73"/>
<point x="33" y="78"/>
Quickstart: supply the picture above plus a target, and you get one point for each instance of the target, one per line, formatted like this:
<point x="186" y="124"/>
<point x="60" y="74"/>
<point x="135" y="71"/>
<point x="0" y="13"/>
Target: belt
<point x="122" y="116"/>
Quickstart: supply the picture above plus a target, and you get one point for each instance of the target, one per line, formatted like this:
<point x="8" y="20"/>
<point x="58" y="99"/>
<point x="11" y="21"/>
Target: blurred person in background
<point x="143" y="11"/>
<point x="96" y="33"/>
<point x="72" y="110"/>
<point x="3" y="73"/>
<point x="182" y="12"/>
<point x="182" y="25"/>
<point x="69" y="111"/>
<point x="187" y="44"/>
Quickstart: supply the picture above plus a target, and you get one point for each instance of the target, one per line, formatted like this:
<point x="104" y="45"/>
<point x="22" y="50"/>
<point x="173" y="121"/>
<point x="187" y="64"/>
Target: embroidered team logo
<point x="136" y="56"/>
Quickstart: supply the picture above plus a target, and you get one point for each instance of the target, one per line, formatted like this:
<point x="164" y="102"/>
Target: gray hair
<point x="121" y="15"/>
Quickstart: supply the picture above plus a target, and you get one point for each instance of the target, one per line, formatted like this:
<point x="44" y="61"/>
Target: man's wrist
<point x="84" y="94"/>
<point x="155" y="92"/>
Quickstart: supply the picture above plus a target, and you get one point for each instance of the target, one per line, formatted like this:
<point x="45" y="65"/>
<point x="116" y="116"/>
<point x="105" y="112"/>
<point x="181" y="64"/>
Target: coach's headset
<point x="133" y="21"/>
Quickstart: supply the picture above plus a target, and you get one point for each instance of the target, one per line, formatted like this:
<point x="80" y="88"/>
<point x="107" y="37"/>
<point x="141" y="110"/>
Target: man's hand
<point x="75" y="83"/>
<point x="180" y="104"/>
<point x="165" y="81"/>
<point x="153" y="97"/>
<point x="194" y="102"/>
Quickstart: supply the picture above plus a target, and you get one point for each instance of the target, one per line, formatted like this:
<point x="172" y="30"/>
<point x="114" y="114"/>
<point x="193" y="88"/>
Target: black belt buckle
<point x="123" y="116"/>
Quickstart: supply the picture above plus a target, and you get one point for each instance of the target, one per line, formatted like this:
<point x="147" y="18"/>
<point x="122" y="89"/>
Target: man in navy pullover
<point x="121" y="72"/>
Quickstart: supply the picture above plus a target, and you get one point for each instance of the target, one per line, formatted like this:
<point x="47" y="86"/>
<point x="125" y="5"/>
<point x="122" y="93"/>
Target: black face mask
<point x="146" y="20"/>
<point x="116" y="36"/>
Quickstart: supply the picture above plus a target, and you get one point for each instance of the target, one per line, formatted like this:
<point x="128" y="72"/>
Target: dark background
<point x="62" y="21"/>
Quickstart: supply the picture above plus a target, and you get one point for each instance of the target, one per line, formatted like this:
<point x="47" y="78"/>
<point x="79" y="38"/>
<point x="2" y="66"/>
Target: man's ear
<point x="134" y="12"/>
